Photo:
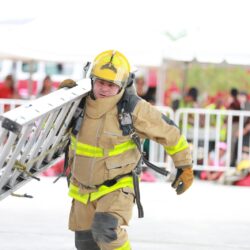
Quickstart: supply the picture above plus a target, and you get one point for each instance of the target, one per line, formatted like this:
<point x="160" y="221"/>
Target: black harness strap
<point x="125" y="108"/>
<point x="78" y="117"/>
<point x="159" y="170"/>
<point x="112" y="182"/>
<point x="137" y="194"/>
<point x="65" y="165"/>
<point x="75" y="125"/>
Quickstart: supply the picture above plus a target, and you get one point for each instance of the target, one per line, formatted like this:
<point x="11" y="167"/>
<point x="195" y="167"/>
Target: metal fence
<point x="205" y="129"/>
<point x="216" y="138"/>
<point x="8" y="104"/>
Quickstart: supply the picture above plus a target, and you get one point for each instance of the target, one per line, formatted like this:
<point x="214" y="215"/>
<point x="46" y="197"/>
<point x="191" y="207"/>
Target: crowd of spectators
<point x="8" y="87"/>
<point x="233" y="99"/>
<point x="176" y="98"/>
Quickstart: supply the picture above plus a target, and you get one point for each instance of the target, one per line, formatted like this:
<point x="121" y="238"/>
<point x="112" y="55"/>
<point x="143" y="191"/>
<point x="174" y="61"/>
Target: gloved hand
<point x="67" y="83"/>
<point x="183" y="180"/>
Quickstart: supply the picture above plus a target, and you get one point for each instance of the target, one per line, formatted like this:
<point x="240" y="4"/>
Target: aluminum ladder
<point x="33" y="136"/>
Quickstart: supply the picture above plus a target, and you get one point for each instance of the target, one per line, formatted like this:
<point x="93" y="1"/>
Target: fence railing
<point x="8" y="104"/>
<point x="205" y="129"/>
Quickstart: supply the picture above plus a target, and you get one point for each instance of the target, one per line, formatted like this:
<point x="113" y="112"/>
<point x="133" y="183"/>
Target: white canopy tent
<point x="75" y="31"/>
<point x="212" y="31"/>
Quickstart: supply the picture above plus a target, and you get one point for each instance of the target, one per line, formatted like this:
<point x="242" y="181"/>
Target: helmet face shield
<point x="111" y="66"/>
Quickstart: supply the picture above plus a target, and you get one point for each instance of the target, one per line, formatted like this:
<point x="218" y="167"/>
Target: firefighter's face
<point x="104" y="89"/>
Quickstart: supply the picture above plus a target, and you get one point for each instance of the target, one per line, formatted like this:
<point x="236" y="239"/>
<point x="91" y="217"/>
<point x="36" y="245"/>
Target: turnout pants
<point x="100" y="224"/>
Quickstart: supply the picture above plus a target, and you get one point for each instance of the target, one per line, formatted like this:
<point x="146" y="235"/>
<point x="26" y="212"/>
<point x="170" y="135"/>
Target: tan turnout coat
<point x="100" y="128"/>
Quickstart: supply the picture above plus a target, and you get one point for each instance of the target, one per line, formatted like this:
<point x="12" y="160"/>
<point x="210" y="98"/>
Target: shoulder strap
<point x="125" y="107"/>
<point x="78" y="117"/>
<point x="75" y="125"/>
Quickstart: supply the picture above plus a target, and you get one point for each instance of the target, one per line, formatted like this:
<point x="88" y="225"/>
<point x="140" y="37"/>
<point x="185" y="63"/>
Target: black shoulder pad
<point x="128" y="102"/>
<point x="125" y="107"/>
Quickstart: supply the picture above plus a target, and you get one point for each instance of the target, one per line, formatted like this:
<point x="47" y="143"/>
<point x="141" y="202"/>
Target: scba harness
<point x="125" y="107"/>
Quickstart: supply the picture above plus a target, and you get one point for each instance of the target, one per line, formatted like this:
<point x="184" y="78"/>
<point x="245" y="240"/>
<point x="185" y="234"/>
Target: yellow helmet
<point x="111" y="66"/>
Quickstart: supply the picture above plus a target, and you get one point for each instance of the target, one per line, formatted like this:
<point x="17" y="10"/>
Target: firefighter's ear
<point x="131" y="79"/>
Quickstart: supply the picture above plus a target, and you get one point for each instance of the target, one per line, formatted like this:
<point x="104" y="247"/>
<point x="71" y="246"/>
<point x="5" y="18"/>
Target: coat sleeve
<point x="152" y="124"/>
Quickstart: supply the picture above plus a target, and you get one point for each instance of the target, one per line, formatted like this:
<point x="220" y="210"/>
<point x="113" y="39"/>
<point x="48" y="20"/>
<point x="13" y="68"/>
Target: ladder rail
<point x="34" y="135"/>
<point x="63" y="130"/>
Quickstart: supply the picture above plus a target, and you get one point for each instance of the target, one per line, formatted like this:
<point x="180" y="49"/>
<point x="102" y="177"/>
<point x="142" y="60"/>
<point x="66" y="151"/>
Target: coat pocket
<point x="121" y="164"/>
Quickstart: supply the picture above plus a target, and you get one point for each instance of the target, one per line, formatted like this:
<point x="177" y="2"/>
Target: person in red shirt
<point x="7" y="89"/>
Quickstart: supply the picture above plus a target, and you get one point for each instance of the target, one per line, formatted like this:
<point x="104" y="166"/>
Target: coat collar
<point x="96" y="108"/>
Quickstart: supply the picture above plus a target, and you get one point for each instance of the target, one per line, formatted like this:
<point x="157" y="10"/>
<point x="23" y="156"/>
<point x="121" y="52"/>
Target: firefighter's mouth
<point x="103" y="95"/>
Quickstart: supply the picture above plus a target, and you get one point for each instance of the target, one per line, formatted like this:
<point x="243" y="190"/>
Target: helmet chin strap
<point x="92" y="95"/>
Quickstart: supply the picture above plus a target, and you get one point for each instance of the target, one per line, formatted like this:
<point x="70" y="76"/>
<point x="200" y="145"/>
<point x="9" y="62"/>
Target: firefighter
<point x="104" y="158"/>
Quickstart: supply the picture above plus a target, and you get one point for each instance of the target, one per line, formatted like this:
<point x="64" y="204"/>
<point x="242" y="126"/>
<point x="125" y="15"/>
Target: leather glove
<point x="183" y="180"/>
<point x="67" y="83"/>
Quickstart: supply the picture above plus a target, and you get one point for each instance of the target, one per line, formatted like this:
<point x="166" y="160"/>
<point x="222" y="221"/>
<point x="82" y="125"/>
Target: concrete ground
<point x="208" y="216"/>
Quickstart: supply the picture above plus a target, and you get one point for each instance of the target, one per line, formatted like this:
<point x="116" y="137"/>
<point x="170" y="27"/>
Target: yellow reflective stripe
<point x="92" y="151"/>
<point x="74" y="193"/>
<point x="125" y="246"/>
<point x="121" y="148"/>
<point x="102" y="190"/>
<point x="121" y="183"/>
<point x="181" y="145"/>
<point x="85" y="149"/>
